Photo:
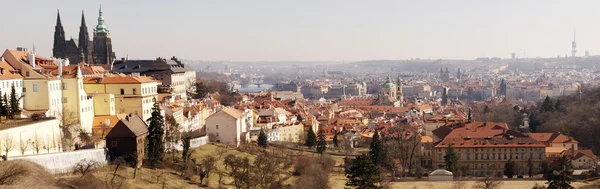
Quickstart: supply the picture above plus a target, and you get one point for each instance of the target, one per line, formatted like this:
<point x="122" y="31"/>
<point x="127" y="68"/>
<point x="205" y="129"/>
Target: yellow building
<point x="132" y="94"/>
<point x="41" y="89"/>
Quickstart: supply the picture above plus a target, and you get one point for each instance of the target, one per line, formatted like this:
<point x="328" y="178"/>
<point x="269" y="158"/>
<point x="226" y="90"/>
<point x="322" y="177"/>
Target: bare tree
<point x="10" y="173"/>
<point x="8" y="144"/>
<point x="68" y="124"/>
<point x="221" y="151"/>
<point x="459" y="183"/>
<point x="24" y="145"/>
<point x="488" y="183"/>
<point x="85" y="166"/>
<point x="36" y="143"/>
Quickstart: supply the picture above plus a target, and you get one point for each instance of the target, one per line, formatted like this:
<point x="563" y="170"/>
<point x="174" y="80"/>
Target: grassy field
<point x="151" y="178"/>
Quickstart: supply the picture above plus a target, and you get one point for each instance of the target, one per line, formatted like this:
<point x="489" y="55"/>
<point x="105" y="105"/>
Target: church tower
<point x="399" y="95"/>
<point x="60" y="46"/>
<point x="102" y="53"/>
<point x="84" y="41"/>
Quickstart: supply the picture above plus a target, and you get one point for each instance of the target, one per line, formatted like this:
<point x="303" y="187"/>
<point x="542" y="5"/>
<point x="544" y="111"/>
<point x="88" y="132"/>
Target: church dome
<point x="440" y="172"/>
<point x="388" y="85"/>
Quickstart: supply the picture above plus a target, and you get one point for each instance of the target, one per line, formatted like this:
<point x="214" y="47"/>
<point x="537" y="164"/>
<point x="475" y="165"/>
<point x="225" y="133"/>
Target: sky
<point x="314" y="30"/>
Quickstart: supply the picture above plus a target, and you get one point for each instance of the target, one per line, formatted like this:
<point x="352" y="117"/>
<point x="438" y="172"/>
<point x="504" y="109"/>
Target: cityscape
<point x="83" y="113"/>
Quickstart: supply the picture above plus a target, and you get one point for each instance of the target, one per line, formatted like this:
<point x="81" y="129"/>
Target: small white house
<point x="441" y="175"/>
<point x="227" y="126"/>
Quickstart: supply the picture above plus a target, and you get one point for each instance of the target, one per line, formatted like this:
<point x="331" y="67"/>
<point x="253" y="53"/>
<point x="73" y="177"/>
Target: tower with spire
<point x="573" y="46"/>
<point x="58" y="50"/>
<point x="399" y="95"/>
<point x="82" y="49"/>
<point x="103" y="53"/>
<point x="84" y="41"/>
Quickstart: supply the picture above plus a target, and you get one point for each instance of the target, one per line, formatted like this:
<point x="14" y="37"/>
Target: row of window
<point x="497" y="149"/>
<point x="7" y="84"/>
<point x="145" y="90"/>
<point x="86" y="109"/>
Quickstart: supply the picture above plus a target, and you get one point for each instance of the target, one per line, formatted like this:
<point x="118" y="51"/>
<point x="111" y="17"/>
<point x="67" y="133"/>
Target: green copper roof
<point x="101" y="28"/>
<point x="388" y="85"/>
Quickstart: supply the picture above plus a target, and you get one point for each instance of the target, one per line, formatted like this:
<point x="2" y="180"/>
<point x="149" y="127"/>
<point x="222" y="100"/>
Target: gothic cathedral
<point x="98" y="51"/>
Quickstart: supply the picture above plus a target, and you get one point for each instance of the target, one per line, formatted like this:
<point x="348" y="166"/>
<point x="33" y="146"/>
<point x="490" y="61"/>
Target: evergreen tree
<point x="3" y="109"/>
<point x="6" y="109"/>
<point x="451" y="159"/>
<point x="558" y="106"/>
<point x="311" y="139"/>
<point x="201" y="90"/>
<point x="155" y="144"/>
<point x="186" y="141"/>
<point x="560" y="178"/>
<point x="509" y="168"/>
<point x="534" y="121"/>
<point x="262" y="139"/>
<point x="376" y="150"/>
<point x="548" y="105"/>
<point x="14" y="103"/>
<point x="486" y="109"/>
<point x="546" y="169"/>
<point x="363" y="173"/>
<point x="335" y="139"/>
<point x="321" y="143"/>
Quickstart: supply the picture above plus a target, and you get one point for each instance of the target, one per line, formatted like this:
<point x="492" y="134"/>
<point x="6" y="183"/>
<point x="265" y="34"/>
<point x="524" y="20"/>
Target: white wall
<point x="45" y="133"/>
<point x="64" y="162"/>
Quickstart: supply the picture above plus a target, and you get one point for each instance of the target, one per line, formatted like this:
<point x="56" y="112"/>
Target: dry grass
<point x="35" y="175"/>
<point x="338" y="180"/>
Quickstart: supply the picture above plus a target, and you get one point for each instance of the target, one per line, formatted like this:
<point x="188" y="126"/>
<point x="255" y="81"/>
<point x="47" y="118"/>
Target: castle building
<point x="98" y="51"/>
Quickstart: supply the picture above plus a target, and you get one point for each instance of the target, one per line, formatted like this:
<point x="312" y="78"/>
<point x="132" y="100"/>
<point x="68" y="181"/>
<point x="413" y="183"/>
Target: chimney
<point x="31" y="58"/>
<point x="572" y="151"/>
<point x="2" y="59"/>
<point x="60" y="68"/>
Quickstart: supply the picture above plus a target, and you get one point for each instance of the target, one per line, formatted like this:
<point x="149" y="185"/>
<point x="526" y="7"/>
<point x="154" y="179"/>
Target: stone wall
<point x="194" y="143"/>
<point x="63" y="162"/>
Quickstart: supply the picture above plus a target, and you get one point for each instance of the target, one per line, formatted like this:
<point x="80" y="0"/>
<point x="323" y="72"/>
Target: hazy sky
<point x="341" y="30"/>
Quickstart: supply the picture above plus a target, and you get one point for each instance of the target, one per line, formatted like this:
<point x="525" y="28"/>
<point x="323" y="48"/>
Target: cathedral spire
<point x="84" y="41"/>
<point x="58" y="23"/>
<point x="83" y="19"/>
<point x="60" y="46"/>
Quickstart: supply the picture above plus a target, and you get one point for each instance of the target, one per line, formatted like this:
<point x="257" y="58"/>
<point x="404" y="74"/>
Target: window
<point x="113" y="143"/>
<point x="26" y="73"/>
<point x="64" y="100"/>
<point x="105" y="99"/>
<point x="217" y="126"/>
<point x="217" y="133"/>
<point x="122" y="91"/>
<point x="35" y="87"/>
<point x="134" y="91"/>
<point x="64" y="86"/>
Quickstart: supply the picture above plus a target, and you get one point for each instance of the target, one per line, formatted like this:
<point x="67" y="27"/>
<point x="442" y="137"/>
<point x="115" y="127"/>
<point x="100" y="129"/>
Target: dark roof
<point x="131" y="126"/>
<point x="150" y="66"/>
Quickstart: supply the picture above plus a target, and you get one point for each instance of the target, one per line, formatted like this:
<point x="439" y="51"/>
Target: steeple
<point x="101" y="28"/>
<point x="398" y="80"/>
<point x="60" y="45"/>
<point x="58" y="23"/>
<point x="84" y="40"/>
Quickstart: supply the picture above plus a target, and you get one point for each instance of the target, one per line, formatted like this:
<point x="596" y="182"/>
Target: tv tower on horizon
<point x="573" y="46"/>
